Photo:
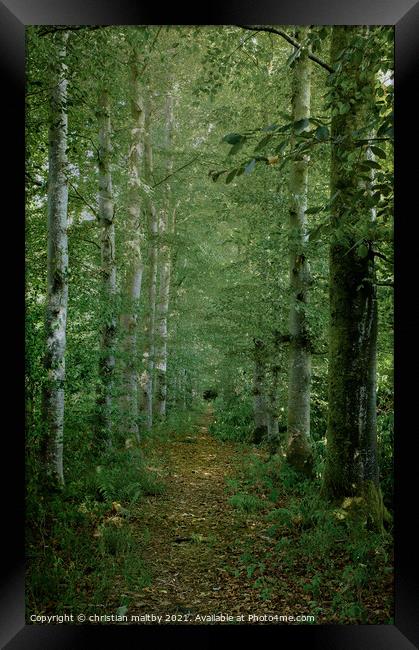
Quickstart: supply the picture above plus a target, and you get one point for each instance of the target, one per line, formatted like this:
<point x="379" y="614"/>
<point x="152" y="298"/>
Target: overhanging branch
<point x="289" y="39"/>
<point x="175" y="172"/>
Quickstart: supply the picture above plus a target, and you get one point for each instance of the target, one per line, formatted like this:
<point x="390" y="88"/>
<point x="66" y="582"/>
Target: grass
<point x="84" y="551"/>
<point x="310" y="549"/>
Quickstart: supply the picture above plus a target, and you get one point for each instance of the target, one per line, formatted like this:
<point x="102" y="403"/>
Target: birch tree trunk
<point x="152" y="287"/>
<point x="351" y="463"/>
<point x="299" y="454"/>
<point x="57" y="283"/>
<point x="108" y="269"/>
<point x="133" y="279"/>
<point x="164" y="276"/>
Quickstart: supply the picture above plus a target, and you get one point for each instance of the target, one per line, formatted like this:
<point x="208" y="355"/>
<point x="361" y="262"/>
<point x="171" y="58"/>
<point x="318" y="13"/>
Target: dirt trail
<point x="196" y="537"/>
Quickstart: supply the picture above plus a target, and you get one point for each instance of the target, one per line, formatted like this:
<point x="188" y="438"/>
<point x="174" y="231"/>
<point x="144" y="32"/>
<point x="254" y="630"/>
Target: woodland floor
<point x="196" y="537"/>
<point x="196" y="545"/>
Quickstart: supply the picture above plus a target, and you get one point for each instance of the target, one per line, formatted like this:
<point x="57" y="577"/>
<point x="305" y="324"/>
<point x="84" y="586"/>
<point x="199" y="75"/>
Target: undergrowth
<point x="233" y="420"/>
<point x="343" y="569"/>
<point x="83" y="550"/>
<point x="177" y="422"/>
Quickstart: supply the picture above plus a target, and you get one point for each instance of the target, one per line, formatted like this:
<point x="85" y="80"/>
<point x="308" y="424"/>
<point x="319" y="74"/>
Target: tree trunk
<point x="351" y="463"/>
<point x="57" y="285"/>
<point x="299" y="453"/>
<point x="152" y="287"/>
<point x="133" y="279"/>
<point x="259" y="398"/>
<point x="108" y="270"/>
<point x="165" y="272"/>
<point x="273" y="424"/>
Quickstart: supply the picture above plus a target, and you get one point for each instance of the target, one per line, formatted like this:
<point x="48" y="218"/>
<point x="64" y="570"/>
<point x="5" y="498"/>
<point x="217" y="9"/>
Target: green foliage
<point x="233" y="420"/>
<point x="246" y="502"/>
<point x="385" y="430"/>
<point x="115" y="541"/>
<point x="230" y="272"/>
<point x="123" y="476"/>
<point x="314" y="586"/>
<point x="91" y="541"/>
<point x="177" y="423"/>
<point x="342" y="560"/>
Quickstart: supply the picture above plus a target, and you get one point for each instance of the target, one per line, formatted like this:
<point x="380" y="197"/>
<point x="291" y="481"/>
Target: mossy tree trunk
<point x="134" y="245"/>
<point x="351" y="463"/>
<point x="299" y="453"/>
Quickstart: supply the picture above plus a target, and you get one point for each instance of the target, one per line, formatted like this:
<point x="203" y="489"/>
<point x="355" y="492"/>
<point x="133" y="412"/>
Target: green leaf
<point x="362" y="251"/>
<point x="378" y="152"/>
<point x="230" y="176"/>
<point x="370" y="164"/>
<point x="232" y="138"/>
<point x="386" y="129"/>
<point x="250" y="166"/>
<point x="322" y="133"/>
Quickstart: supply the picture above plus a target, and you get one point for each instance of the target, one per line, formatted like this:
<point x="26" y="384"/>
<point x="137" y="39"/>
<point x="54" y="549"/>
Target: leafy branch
<point x="175" y="172"/>
<point x="289" y="39"/>
<point x="83" y="199"/>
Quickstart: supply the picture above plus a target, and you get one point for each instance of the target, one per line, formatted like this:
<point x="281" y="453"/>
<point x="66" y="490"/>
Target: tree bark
<point x="273" y="415"/>
<point x="164" y="275"/>
<point x="108" y="270"/>
<point x="57" y="282"/>
<point x="260" y="409"/>
<point x="133" y="279"/>
<point x="351" y="463"/>
<point x="299" y="453"/>
<point x="152" y="287"/>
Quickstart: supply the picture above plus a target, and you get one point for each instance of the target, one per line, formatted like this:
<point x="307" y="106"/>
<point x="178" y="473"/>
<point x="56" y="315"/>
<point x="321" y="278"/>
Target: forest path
<point x="195" y="537"/>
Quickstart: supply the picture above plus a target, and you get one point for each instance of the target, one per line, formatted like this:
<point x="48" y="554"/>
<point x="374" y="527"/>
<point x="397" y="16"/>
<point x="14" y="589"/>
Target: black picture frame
<point x="15" y="15"/>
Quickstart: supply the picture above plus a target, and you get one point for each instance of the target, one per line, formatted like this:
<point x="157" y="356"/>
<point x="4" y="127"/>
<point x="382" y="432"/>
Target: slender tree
<point x="134" y="274"/>
<point x="57" y="283"/>
<point x="152" y="286"/>
<point x="164" y="272"/>
<point x="299" y="453"/>
<point x="108" y="271"/>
